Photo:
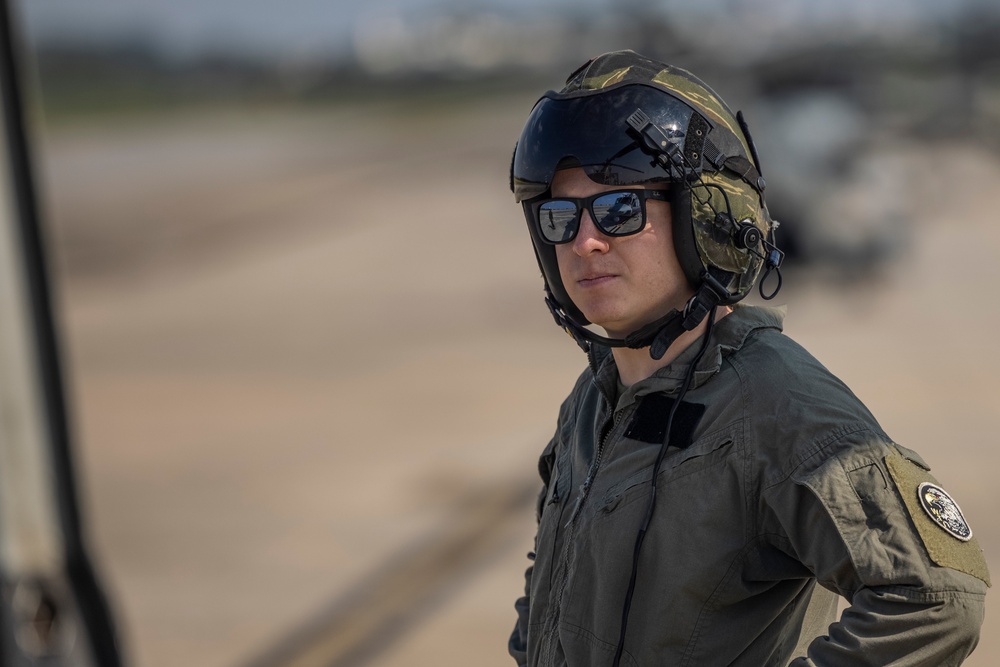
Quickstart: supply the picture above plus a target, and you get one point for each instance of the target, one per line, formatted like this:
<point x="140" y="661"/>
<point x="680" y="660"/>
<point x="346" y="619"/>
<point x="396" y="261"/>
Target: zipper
<point x="609" y="427"/>
<point x="594" y="467"/>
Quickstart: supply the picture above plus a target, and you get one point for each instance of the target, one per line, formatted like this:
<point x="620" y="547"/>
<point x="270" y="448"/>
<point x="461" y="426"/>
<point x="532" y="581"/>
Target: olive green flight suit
<point x="779" y="492"/>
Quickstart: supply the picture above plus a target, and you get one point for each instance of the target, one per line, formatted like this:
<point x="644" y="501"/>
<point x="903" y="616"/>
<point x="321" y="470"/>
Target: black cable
<point x="688" y="379"/>
<point x="777" y="288"/>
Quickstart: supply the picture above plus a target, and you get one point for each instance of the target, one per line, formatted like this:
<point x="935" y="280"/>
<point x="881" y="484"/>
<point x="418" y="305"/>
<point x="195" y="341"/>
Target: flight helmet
<point x="628" y="120"/>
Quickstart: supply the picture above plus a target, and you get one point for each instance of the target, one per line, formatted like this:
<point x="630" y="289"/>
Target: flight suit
<point x="779" y="492"/>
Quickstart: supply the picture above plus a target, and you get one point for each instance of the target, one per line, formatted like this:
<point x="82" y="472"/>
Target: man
<point x="711" y="489"/>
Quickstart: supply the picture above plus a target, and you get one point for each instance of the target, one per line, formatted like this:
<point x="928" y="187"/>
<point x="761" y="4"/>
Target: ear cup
<point x="685" y="245"/>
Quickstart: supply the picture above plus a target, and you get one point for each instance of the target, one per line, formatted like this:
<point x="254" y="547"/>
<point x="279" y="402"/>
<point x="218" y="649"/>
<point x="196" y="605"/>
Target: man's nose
<point x="589" y="238"/>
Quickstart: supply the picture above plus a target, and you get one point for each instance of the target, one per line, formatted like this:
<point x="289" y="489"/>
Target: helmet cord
<point x="688" y="379"/>
<point x="777" y="288"/>
<point x="772" y="262"/>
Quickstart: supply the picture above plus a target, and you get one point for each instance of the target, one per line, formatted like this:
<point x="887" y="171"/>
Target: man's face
<point x="620" y="283"/>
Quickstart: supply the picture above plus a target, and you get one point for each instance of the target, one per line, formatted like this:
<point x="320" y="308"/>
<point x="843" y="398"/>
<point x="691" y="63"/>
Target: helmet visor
<point x="591" y="131"/>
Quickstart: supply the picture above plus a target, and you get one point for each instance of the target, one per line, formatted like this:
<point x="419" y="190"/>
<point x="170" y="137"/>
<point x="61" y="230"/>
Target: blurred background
<point x="310" y="367"/>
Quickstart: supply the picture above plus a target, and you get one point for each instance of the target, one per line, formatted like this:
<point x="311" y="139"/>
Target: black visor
<point x="591" y="131"/>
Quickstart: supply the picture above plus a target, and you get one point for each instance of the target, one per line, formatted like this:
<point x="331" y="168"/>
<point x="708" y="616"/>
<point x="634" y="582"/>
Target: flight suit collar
<point x="728" y="335"/>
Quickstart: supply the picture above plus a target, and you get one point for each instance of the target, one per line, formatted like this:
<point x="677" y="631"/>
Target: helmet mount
<point x="628" y="120"/>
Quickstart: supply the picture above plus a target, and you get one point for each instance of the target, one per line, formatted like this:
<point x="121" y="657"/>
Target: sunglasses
<point x="616" y="213"/>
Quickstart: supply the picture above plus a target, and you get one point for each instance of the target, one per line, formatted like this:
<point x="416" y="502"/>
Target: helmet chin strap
<point x="659" y="334"/>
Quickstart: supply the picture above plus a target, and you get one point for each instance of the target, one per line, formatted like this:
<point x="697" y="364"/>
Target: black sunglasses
<point x="616" y="213"/>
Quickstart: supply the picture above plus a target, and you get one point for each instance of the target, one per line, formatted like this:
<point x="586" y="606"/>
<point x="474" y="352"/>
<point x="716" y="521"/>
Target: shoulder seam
<point x="824" y="443"/>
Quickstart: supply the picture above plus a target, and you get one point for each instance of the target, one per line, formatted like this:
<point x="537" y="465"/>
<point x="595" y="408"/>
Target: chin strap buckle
<point x="698" y="307"/>
<point x="709" y="295"/>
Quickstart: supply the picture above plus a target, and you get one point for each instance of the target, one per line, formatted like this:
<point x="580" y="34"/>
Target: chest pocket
<point x="677" y="464"/>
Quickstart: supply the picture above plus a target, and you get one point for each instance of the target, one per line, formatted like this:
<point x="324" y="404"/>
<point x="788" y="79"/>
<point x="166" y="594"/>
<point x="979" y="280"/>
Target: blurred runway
<point x="309" y="349"/>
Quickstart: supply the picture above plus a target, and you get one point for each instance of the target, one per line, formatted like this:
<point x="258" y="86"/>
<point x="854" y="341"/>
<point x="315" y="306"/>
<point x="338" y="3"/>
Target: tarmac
<point x="311" y="372"/>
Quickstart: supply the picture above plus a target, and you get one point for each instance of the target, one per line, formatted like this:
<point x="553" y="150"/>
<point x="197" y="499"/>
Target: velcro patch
<point x="649" y="423"/>
<point x="942" y="527"/>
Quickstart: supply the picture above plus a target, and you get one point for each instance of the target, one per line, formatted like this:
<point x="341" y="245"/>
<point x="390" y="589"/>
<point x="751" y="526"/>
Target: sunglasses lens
<point x="557" y="220"/>
<point x="615" y="214"/>
<point x="618" y="213"/>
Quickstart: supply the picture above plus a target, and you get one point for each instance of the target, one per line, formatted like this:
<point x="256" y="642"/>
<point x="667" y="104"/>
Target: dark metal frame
<point x="93" y="606"/>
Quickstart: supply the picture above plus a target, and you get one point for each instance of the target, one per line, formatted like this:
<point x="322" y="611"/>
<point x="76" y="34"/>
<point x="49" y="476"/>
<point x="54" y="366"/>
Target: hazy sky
<point x="182" y="28"/>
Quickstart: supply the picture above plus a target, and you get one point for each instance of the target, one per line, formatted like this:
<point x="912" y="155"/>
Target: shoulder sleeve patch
<point x="939" y="521"/>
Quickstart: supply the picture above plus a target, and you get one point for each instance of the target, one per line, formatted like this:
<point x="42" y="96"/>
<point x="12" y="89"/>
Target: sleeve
<point x="517" y="646"/>
<point x="916" y="584"/>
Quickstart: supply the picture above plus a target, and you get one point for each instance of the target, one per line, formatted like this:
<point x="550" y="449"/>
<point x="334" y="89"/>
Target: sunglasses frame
<point x="587" y="203"/>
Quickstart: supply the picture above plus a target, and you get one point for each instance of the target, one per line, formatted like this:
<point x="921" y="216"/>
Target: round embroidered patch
<point x="944" y="511"/>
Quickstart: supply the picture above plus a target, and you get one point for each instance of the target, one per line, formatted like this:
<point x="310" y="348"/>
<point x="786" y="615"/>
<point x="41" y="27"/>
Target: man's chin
<point x="620" y="327"/>
<point x="613" y="328"/>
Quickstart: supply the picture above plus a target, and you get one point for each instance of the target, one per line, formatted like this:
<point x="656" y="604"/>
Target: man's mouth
<point x="596" y="279"/>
